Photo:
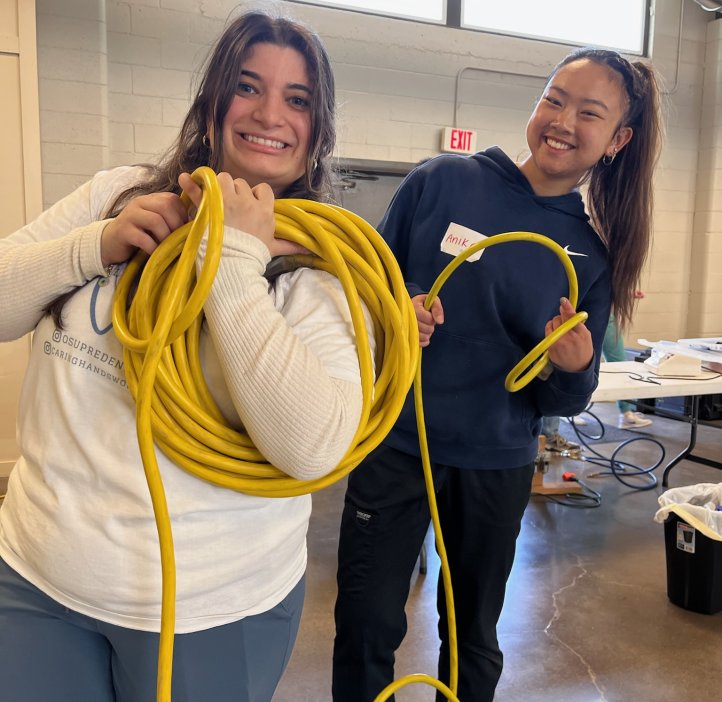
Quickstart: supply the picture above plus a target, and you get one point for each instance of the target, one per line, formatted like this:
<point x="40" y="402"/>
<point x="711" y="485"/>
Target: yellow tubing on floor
<point x="157" y="315"/>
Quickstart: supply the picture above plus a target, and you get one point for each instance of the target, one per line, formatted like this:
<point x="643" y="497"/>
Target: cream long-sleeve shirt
<point x="77" y="521"/>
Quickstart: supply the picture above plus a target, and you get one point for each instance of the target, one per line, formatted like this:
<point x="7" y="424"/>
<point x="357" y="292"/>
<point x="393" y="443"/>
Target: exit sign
<point x="458" y="141"/>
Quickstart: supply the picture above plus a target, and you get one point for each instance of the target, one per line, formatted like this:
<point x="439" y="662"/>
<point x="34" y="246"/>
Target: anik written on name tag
<point x="458" y="239"/>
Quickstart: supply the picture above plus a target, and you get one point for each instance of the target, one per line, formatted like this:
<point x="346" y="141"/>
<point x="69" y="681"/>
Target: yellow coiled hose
<point x="160" y="332"/>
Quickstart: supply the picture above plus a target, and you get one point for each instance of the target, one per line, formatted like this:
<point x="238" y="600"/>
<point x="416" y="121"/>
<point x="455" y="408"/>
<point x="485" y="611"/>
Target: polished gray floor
<point x="587" y="616"/>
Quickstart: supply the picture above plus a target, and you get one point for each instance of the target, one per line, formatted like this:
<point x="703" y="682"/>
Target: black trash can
<point x="694" y="567"/>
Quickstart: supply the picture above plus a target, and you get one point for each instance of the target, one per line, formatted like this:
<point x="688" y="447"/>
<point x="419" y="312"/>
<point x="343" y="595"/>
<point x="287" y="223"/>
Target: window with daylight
<point x="424" y="10"/>
<point x="613" y="24"/>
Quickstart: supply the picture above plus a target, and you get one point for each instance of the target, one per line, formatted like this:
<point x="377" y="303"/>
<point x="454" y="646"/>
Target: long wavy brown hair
<point x="620" y="193"/>
<point x="200" y="140"/>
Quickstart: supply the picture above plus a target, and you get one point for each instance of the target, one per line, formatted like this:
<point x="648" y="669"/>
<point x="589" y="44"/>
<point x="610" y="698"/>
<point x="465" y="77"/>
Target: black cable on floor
<point x="578" y="500"/>
<point x="619" y="469"/>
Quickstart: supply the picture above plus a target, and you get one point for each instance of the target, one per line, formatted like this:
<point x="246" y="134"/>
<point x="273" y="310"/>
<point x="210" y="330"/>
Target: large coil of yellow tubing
<point x="157" y="316"/>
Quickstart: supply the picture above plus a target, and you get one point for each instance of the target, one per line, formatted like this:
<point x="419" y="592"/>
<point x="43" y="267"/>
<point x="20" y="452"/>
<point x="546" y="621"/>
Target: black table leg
<point x="686" y="453"/>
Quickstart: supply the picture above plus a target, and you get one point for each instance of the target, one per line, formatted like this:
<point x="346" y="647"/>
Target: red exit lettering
<point x="461" y="139"/>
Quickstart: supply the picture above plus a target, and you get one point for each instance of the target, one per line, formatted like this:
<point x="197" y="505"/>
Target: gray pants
<point x="49" y="653"/>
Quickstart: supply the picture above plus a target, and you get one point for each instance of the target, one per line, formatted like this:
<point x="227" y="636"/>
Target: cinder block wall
<point x="115" y="80"/>
<point x="705" y="309"/>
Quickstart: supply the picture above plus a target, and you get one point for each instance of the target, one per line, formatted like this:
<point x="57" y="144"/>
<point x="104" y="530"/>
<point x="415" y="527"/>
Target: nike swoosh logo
<point x="573" y="253"/>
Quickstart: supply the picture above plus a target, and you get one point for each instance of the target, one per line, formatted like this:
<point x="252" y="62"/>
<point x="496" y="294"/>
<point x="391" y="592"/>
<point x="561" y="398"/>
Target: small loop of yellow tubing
<point x="516" y="379"/>
<point x="415" y="679"/>
<point x="538" y="357"/>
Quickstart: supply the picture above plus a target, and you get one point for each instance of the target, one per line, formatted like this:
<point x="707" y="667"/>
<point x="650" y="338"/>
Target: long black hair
<point x="620" y="193"/>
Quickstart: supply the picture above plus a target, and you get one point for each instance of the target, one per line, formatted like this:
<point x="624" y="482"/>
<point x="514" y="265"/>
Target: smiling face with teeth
<point x="577" y="121"/>
<point x="266" y="131"/>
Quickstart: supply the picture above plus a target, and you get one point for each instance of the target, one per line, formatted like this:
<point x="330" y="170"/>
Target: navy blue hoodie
<point x="495" y="308"/>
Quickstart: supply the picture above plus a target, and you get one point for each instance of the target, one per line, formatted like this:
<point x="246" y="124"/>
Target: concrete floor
<point x="586" y="617"/>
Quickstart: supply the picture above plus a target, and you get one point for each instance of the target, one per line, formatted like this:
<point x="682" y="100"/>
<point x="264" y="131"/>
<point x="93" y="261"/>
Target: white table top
<point x="616" y="382"/>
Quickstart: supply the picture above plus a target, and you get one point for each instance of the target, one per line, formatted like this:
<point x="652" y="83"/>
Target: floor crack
<point x="557" y="615"/>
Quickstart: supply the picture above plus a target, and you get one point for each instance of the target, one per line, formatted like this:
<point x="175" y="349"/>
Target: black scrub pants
<point x="385" y="519"/>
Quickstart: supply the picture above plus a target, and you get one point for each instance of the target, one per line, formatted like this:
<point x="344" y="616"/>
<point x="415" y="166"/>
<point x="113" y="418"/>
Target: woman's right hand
<point x="142" y="224"/>
<point x="427" y="319"/>
<point x="246" y="208"/>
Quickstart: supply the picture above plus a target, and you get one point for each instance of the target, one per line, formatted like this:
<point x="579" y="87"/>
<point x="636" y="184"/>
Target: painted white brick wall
<point x="73" y="87"/>
<point x="663" y="313"/>
<point x="116" y="79"/>
<point x="705" y="312"/>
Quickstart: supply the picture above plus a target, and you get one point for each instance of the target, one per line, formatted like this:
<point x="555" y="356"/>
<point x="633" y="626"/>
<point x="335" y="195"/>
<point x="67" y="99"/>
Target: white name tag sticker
<point x="458" y="239"/>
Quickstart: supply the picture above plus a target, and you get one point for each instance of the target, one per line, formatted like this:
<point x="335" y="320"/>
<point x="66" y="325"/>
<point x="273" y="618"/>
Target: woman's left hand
<point x="574" y="351"/>
<point x="245" y="208"/>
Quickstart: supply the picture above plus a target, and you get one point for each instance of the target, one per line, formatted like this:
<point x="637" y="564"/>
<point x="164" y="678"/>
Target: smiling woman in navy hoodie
<point x="597" y="122"/>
